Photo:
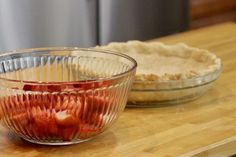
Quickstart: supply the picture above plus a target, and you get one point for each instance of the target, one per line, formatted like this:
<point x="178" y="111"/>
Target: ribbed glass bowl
<point x="59" y="96"/>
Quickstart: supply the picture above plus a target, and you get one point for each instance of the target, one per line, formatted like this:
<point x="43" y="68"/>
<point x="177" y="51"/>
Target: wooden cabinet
<point x="207" y="12"/>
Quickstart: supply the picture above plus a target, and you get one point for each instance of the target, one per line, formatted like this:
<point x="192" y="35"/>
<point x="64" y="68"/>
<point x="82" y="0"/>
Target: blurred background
<point x="86" y="23"/>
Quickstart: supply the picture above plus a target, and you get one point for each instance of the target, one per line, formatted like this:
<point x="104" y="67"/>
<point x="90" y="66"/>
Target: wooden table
<point x="203" y="127"/>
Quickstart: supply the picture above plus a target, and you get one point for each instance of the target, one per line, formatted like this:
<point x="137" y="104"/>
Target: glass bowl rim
<point x="113" y="77"/>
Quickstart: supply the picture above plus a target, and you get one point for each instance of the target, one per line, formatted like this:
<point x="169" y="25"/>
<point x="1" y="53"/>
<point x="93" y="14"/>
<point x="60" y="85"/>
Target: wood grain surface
<point x="204" y="127"/>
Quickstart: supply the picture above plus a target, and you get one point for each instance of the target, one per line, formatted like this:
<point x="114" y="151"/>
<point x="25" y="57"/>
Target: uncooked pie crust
<point x="160" y="62"/>
<point x="169" y="67"/>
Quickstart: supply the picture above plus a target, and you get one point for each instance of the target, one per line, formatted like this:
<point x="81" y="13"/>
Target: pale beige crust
<point x="169" y="67"/>
<point x="160" y="62"/>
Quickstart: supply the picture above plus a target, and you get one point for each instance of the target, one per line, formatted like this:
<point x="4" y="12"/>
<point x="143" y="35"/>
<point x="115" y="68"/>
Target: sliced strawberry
<point x="100" y="104"/>
<point x="68" y="125"/>
<point x="42" y="88"/>
<point x="34" y="111"/>
<point x="65" y="119"/>
<point x="67" y="102"/>
<point x="68" y="133"/>
<point x="82" y="85"/>
<point x="97" y="119"/>
<point x="45" y="126"/>
<point x="44" y="122"/>
<point x="41" y="124"/>
<point x="20" y="119"/>
<point x="85" y="85"/>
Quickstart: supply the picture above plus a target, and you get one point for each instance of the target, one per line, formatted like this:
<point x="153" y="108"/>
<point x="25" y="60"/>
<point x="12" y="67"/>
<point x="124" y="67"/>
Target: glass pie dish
<point x="151" y="94"/>
<point x="168" y="74"/>
<point x="60" y="96"/>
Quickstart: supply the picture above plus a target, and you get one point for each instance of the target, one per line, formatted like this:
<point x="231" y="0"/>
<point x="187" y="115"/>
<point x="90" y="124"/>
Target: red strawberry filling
<point x="56" y="115"/>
